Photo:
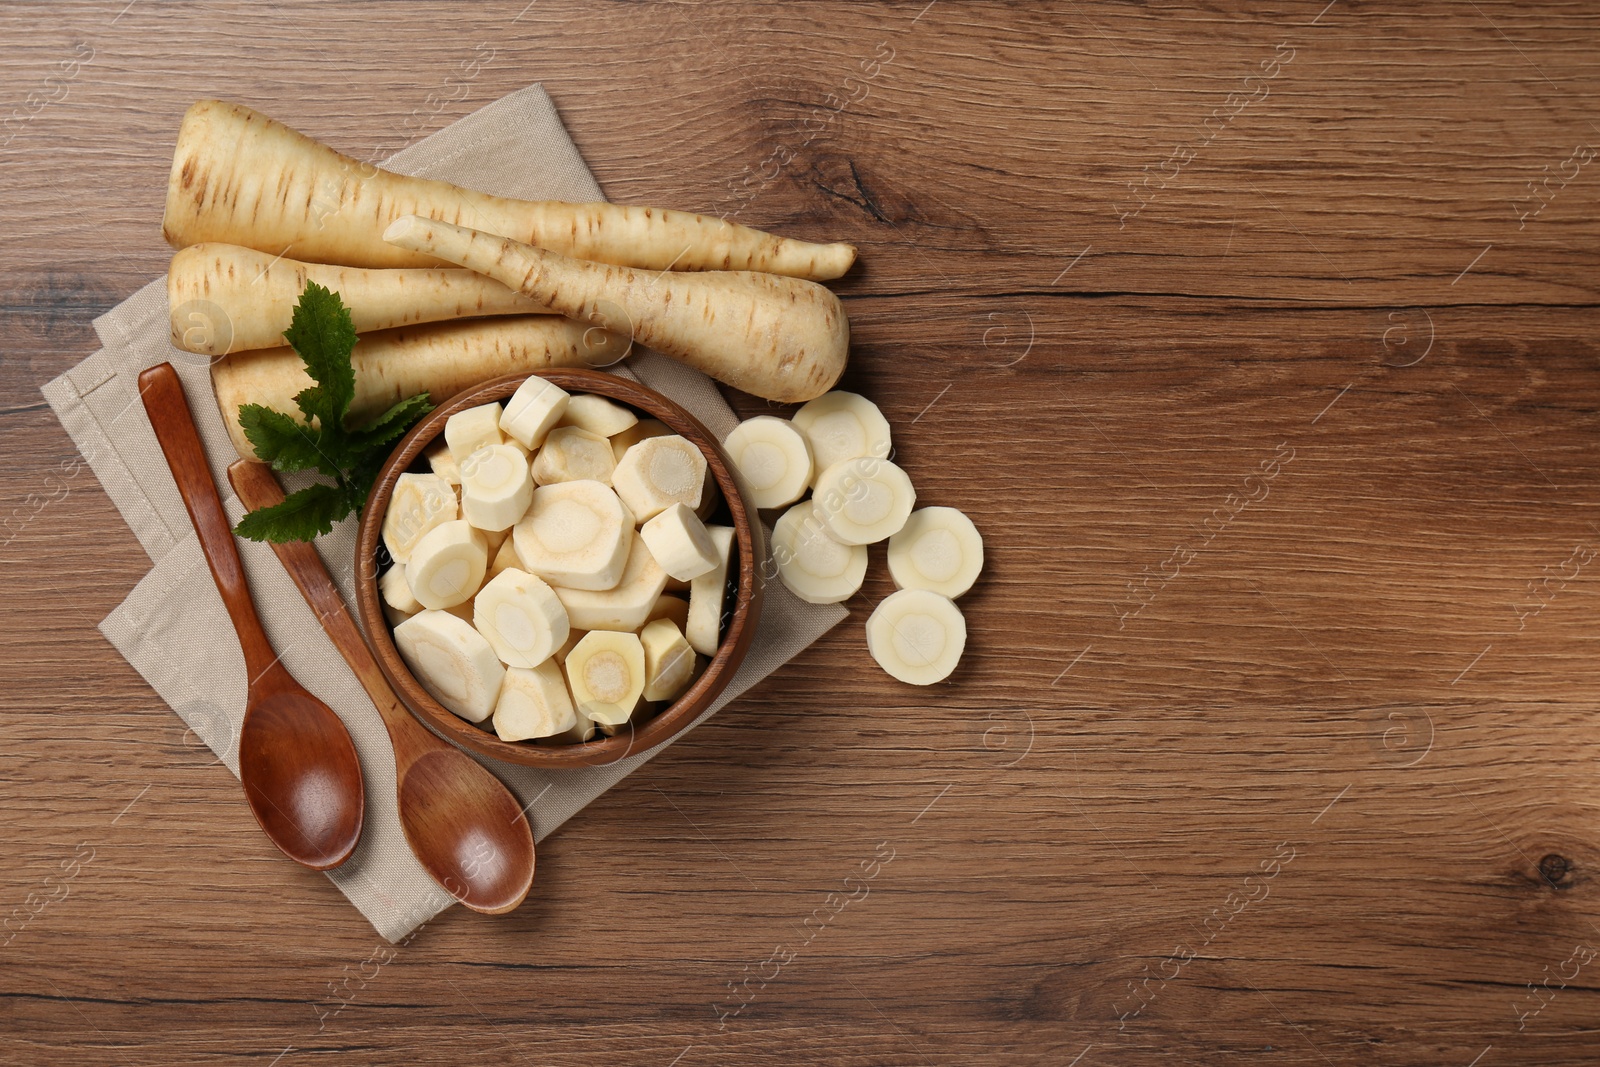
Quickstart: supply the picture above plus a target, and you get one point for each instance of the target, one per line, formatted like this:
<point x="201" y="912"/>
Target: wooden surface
<point x="1276" y="736"/>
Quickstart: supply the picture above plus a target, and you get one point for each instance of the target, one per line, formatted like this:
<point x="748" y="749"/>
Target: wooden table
<point x="1256" y="339"/>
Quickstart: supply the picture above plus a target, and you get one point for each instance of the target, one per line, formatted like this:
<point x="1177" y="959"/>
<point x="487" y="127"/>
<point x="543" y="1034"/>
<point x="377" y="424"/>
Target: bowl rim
<point x="749" y="538"/>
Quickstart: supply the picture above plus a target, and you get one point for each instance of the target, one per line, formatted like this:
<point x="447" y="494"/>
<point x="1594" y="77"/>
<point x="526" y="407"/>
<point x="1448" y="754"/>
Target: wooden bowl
<point x="737" y="632"/>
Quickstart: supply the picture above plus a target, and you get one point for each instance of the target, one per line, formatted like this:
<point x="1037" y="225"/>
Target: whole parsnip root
<point x="440" y="359"/>
<point x="782" y="339"/>
<point x="226" y="298"/>
<point x="239" y="177"/>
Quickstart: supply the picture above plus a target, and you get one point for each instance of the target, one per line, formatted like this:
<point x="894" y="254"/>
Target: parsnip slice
<point x="774" y="459"/>
<point x="815" y="567"/>
<point x="467" y="431"/>
<point x="441" y="462"/>
<point x="640" y="430"/>
<point x="917" y="636"/>
<point x="570" y="454"/>
<point x="625" y="606"/>
<point x="668" y="660"/>
<point x="938" y="549"/>
<point x="671" y="607"/>
<point x="598" y="414"/>
<point x="534" y="703"/>
<point x="864" y="500"/>
<point x="582" y="729"/>
<point x="659" y="472"/>
<point x="417" y="504"/>
<point x="533" y="411"/>
<point x="704" y="627"/>
<point x="448" y="564"/>
<point x="642" y="710"/>
<point x="496" y="488"/>
<point x="396" y="593"/>
<point x="504" y="559"/>
<point x="452" y="661"/>
<point x="841" y="426"/>
<point x="605" y="672"/>
<point x="679" y="542"/>
<point x="521" y="618"/>
<point x="575" y="534"/>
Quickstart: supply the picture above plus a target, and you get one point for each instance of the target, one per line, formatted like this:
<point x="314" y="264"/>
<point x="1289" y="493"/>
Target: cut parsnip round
<point x="396" y="593"/>
<point x="671" y="607"/>
<point x="668" y="660"/>
<point x="679" y="542"/>
<point x="447" y="565"/>
<point x="521" y="618"/>
<point x="467" y="431"/>
<point x="442" y="463"/>
<point x="626" y="606"/>
<point x="938" y="549"/>
<point x="575" y="534"/>
<point x="704" y="625"/>
<point x="864" y="500"/>
<point x="452" y="661"/>
<point x="605" y="672"/>
<point x="495" y="487"/>
<point x="534" y="703"/>
<point x="841" y="426"/>
<point x="417" y="504"/>
<point x="774" y="459"/>
<point x="917" y="636"/>
<point x="598" y="415"/>
<point x="815" y="567"/>
<point x="659" y="472"/>
<point x="621" y="442"/>
<point x="571" y="454"/>
<point x="533" y="410"/>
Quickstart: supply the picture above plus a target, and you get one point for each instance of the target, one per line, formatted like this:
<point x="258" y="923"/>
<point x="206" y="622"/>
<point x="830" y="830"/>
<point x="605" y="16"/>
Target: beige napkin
<point x="172" y="628"/>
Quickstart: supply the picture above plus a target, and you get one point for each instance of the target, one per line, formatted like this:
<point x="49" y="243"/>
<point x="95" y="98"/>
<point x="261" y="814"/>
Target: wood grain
<point x="1380" y="661"/>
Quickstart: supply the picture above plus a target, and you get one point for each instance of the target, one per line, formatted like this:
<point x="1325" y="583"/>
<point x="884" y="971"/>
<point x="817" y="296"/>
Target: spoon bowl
<point x="296" y="761"/>
<point x="467" y="830"/>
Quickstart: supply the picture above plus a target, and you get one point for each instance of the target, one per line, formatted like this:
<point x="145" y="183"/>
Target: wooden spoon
<point x="465" y="826"/>
<point x="296" y="760"/>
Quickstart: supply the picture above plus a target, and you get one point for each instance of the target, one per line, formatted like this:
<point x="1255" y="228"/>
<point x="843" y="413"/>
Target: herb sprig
<point x="323" y="335"/>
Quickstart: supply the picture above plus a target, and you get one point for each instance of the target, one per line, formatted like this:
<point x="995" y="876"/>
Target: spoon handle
<point x="162" y="392"/>
<point x="257" y="488"/>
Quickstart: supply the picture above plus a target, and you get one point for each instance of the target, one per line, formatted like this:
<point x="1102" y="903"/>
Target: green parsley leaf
<point x="301" y="516"/>
<point x="323" y="335"/>
<point x="279" y="440"/>
<point x="392" y="424"/>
